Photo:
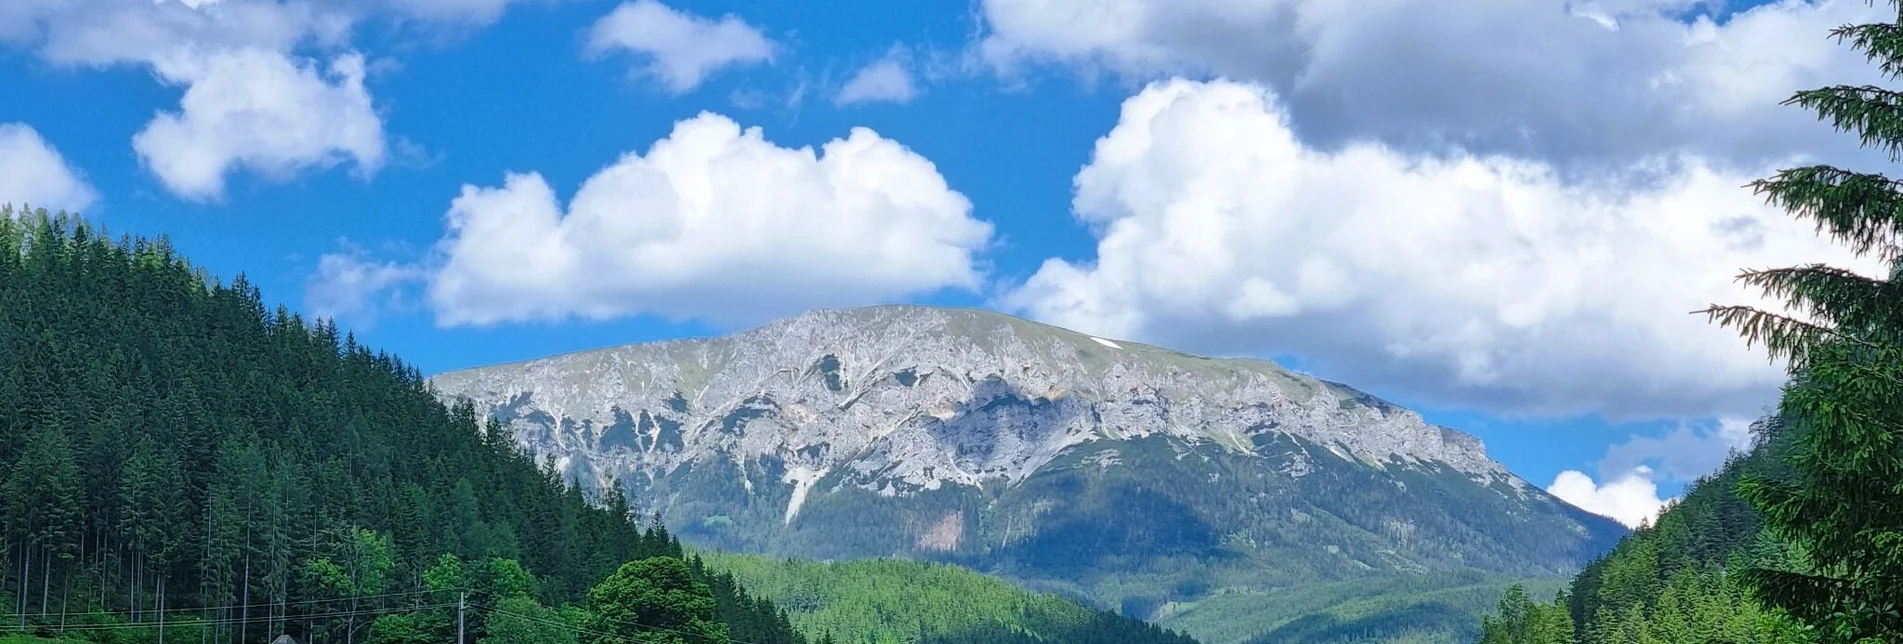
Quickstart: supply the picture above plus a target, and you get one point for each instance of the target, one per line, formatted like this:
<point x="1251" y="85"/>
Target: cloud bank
<point x="714" y="222"/>
<point x="1584" y="85"/>
<point x="1476" y="281"/>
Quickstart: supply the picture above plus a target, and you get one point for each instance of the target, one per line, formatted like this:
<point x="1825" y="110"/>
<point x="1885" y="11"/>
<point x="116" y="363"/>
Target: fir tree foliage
<point x="173" y="451"/>
<point x="1839" y="503"/>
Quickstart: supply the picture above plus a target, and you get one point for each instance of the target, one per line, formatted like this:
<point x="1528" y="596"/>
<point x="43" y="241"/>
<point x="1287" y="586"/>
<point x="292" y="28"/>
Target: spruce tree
<point x="1840" y="502"/>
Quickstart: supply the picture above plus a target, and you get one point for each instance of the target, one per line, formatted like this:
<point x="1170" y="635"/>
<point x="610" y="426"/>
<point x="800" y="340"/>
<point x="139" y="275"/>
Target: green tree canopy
<point x="1841" y="339"/>
<point x="654" y="601"/>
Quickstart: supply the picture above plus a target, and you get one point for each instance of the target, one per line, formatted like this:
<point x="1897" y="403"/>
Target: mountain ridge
<point x="1135" y="476"/>
<point x="1470" y="453"/>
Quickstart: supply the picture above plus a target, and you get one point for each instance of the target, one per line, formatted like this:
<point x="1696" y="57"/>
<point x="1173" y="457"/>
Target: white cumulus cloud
<point x="248" y="102"/>
<point x="259" y="110"/>
<point x="1686" y="452"/>
<point x="350" y="285"/>
<point x="1632" y="499"/>
<point x="714" y="222"/>
<point x="107" y="32"/>
<point x="32" y="173"/>
<point x="684" y="48"/>
<point x="1585" y="84"/>
<point x="1476" y="281"/>
<point x="885" y="80"/>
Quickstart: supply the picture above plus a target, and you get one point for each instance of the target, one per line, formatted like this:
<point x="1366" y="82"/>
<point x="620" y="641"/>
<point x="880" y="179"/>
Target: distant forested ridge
<point x="1801" y="540"/>
<point x="1676" y="580"/>
<point x="171" y="451"/>
<point x="890" y="601"/>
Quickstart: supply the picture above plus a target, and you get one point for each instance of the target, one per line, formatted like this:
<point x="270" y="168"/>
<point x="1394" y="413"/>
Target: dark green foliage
<point x="887" y="601"/>
<point x="1398" y="609"/>
<point x="1417" y="622"/>
<point x="397" y="629"/>
<point x="1802" y="540"/>
<point x="1523" y="621"/>
<point x="247" y="460"/>
<point x="1196" y="535"/>
<point x="657" y="600"/>
<point x="1676" y="580"/>
<point x="1838" y="504"/>
<point x="521" y="620"/>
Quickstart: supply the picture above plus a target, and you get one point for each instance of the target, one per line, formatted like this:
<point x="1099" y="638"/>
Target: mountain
<point x="1140" y="478"/>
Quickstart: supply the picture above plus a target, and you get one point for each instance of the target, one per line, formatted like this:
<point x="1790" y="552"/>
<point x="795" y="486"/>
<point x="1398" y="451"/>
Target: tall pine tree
<point x="1843" y="343"/>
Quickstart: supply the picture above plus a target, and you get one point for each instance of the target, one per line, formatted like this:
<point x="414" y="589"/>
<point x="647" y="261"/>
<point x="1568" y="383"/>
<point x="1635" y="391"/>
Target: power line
<point x="538" y="620"/>
<point x="173" y="611"/>
<point x="223" y="621"/>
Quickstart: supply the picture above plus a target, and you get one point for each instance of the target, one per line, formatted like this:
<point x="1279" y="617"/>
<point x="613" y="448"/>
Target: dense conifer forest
<point x="1800" y="540"/>
<point x="171" y="451"/>
<point x="889" y="601"/>
<point x="1675" y="580"/>
<point x="178" y="461"/>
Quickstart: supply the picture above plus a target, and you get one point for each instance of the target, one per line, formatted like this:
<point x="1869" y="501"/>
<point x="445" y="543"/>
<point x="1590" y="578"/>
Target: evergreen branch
<point x="1840" y="297"/>
<point x="1881" y="43"/>
<point x="1797" y="591"/>
<point x="1784" y="336"/>
<point x="1864" y="211"/>
<point x="1873" y="113"/>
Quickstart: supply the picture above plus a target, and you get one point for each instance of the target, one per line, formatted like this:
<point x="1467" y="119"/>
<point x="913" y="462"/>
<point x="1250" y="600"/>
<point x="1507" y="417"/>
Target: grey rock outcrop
<point x="899" y="395"/>
<point x="1129" y="474"/>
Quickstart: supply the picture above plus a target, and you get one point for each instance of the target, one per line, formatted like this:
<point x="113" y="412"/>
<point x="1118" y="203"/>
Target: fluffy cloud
<point x="32" y="173"/>
<point x="685" y="49"/>
<point x="248" y="101"/>
<point x="106" y="32"/>
<point x="714" y="222"/>
<point x="1632" y="499"/>
<point x="1583" y="84"/>
<point x="351" y="285"/>
<point x="1687" y="452"/>
<point x="1468" y="281"/>
<point x="262" y="111"/>
<point x="885" y="80"/>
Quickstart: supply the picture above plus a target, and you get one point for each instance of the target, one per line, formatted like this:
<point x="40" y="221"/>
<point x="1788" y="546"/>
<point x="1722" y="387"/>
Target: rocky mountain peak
<point x="1116" y="470"/>
<point x="914" y="396"/>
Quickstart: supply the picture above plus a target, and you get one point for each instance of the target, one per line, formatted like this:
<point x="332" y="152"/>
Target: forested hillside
<point x="1673" y="581"/>
<point x="1801" y="540"/>
<point x="172" y="452"/>
<point x="889" y="601"/>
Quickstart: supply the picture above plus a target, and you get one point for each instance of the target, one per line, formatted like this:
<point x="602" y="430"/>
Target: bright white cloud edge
<point x="1483" y="282"/>
<point x="262" y="111"/>
<point x="714" y="223"/>
<point x="683" y="49"/>
<point x="248" y="103"/>
<point x="887" y="80"/>
<point x="1582" y="84"/>
<point x="1632" y="500"/>
<point x="33" y="174"/>
<point x="351" y="285"/>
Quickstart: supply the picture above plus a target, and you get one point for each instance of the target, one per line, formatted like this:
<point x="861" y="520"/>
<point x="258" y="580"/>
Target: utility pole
<point x="460" y="596"/>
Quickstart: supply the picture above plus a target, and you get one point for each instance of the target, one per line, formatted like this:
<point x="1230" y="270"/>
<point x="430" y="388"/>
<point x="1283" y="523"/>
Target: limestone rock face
<point x="1005" y="444"/>
<point x="909" y="396"/>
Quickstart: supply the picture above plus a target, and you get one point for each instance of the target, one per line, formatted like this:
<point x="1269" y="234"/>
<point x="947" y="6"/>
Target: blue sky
<point x="1496" y="215"/>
